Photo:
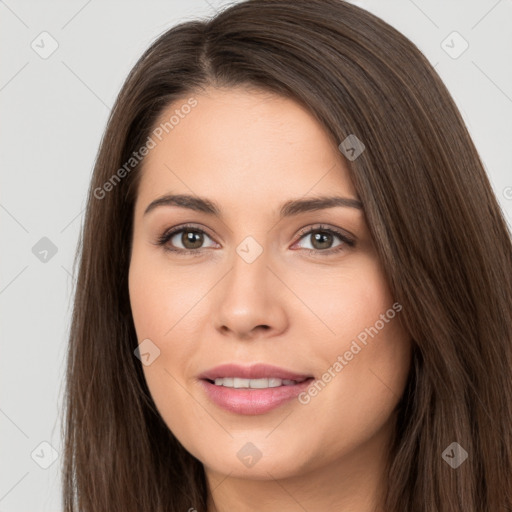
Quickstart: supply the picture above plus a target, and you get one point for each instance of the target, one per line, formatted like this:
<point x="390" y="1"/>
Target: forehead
<point x="239" y="144"/>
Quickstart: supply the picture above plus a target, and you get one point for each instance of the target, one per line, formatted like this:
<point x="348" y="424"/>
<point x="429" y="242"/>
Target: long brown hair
<point x="438" y="229"/>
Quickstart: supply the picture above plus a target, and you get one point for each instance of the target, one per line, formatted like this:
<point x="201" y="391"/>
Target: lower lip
<point x="252" y="401"/>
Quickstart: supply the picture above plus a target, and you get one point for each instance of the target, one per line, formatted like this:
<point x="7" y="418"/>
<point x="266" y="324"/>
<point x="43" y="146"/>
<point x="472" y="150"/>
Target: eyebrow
<point x="288" y="209"/>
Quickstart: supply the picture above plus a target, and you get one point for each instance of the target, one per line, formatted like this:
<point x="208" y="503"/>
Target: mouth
<point x="236" y="375"/>
<point x="252" y="390"/>
<point x="264" y="383"/>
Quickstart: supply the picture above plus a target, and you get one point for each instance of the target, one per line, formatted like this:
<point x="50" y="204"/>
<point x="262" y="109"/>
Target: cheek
<point x="375" y="346"/>
<point x="163" y="312"/>
<point x="167" y="308"/>
<point x="366" y="356"/>
<point x="345" y="302"/>
<point x="160" y="295"/>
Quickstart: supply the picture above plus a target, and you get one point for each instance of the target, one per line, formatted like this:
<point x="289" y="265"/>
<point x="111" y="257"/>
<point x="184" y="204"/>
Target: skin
<point x="249" y="151"/>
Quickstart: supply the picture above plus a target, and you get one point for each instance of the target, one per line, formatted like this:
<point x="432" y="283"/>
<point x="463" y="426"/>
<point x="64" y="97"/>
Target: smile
<point x="240" y="383"/>
<point x="253" y="396"/>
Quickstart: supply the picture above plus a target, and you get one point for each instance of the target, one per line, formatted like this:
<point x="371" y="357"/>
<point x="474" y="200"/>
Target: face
<point x="250" y="279"/>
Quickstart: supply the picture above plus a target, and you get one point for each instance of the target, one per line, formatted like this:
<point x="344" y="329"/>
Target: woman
<point x="215" y="362"/>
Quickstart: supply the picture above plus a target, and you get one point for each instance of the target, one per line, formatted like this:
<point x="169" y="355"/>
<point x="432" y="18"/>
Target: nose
<point x="250" y="301"/>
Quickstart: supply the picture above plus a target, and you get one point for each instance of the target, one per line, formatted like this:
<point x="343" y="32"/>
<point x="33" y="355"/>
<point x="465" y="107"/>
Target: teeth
<point x="235" y="382"/>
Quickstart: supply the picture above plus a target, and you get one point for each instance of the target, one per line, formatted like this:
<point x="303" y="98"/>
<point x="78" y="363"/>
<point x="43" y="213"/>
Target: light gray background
<point x="53" y="113"/>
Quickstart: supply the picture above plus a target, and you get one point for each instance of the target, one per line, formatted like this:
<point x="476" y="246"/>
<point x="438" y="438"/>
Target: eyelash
<point x="167" y="235"/>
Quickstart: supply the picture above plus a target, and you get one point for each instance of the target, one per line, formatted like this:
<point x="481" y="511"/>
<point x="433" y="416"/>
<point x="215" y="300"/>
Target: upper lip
<point x="255" y="371"/>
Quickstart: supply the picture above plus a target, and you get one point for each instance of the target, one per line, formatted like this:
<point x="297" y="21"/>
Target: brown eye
<point x="192" y="239"/>
<point x="322" y="240"/>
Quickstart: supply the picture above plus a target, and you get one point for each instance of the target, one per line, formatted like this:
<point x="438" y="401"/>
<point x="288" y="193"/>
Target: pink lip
<point x="252" y="401"/>
<point x="256" y="371"/>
